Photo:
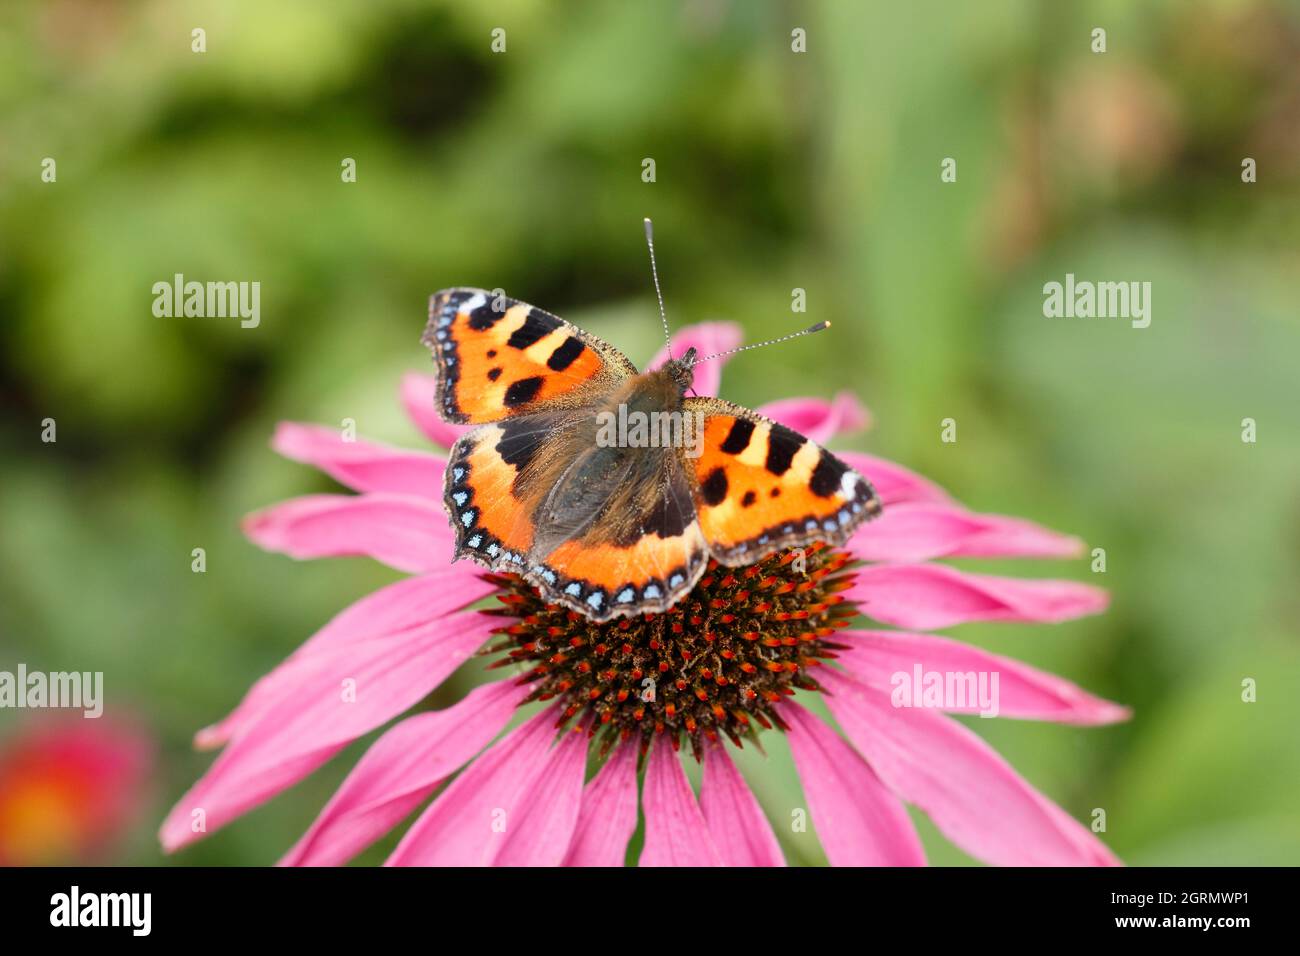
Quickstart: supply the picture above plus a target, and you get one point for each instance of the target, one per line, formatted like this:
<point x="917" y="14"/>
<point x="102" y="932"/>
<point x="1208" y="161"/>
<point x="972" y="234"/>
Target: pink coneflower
<point x="69" y="789"/>
<point x="732" y="660"/>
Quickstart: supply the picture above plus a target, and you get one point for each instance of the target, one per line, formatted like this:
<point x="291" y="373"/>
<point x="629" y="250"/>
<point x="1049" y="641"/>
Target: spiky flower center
<point x="715" y="664"/>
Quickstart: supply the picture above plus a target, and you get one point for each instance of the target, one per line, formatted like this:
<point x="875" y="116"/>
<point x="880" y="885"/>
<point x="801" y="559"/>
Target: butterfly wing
<point x="489" y="488"/>
<point x="761" y="487"/>
<point x="605" y="531"/>
<point x="498" y="358"/>
<point x="643" y="552"/>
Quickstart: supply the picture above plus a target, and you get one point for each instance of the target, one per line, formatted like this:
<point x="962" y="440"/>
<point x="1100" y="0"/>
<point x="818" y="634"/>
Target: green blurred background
<point x="775" y="170"/>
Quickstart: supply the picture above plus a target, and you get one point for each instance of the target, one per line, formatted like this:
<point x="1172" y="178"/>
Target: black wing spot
<point x="775" y="492"/>
<point x="536" y="327"/>
<point x="565" y="355"/>
<point x="669" y="518"/>
<point x="782" y="443"/>
<point x="494" y="374"/>
<point x="714" y="488"/>
<point x="749" y="499"/>
<point x="523" y="391"/>
<point x="827" y="475"/>
<point x="738" y="438"/>
<point x="519" y="442"/>
<point x="492" y="353"/>
<point x="484" y="317"/>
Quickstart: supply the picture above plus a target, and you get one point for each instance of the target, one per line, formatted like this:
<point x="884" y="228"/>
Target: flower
<point x="522" y="800"/>
<point x="68" y="789"/>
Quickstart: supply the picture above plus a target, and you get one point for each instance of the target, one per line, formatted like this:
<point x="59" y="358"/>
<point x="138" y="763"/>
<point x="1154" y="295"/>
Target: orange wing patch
<point x="602" y="580"/>
<point x="492" y="524"/>
<point x="498" y="358"/>
<point x="762" y="487"/>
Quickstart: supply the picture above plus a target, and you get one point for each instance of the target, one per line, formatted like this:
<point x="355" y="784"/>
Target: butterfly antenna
<point x="654" y="271"/>
<point x="758" y="345"/>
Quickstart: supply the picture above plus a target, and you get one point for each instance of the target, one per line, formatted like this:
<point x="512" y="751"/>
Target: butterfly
<point x="609" y="527"/>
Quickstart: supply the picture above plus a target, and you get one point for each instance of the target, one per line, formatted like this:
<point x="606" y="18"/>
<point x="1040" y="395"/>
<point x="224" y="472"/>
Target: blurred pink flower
<point x="401" y="642"/>
<point x="69" y="787"/>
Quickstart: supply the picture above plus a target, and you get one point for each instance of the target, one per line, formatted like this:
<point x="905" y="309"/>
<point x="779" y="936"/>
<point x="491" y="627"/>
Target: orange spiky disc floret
<point x="729" y="651"/>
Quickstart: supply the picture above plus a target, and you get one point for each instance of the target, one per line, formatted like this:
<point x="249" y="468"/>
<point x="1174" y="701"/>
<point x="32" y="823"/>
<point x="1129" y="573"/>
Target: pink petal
<point x="405" y="532"/>
<point x="402" y="605"/>
<point x="542" y="828"/>
<point x="398" y="607"/>
<point x="918" y="531"/>
<point x="301" y="730"/>
<point x="893" y="483"/>
<point x="877" y="658"/>
<point x="419" y="395"/>
<point x="707" y="338"/>
<point x="740" y="829"/>
<point x="400" y="770"/>
<point x="817" y="418"/>
<point x="607" y="819"/>
<point x="926" y="596"/>
<point x="675" y="831"/>
<point x="970" y="792"/>
<point x="859" y="821"/>
<point x="361" y="465"/>
<point x="516" y="804"/>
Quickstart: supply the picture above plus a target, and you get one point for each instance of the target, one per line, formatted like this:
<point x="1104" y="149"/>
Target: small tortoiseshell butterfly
<point x="613" y="528"/>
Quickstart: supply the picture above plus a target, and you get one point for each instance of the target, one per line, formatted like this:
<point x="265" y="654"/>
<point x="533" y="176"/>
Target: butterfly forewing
<point x="498" y="358"/>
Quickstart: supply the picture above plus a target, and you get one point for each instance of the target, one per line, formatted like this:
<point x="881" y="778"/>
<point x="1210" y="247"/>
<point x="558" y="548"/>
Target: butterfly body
<point x="614" y="527"/>
<point x="602" y="481"/>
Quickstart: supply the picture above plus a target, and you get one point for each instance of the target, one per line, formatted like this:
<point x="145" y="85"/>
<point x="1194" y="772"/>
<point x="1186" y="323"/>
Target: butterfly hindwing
<point x="607" y="578"/>
<point x="486" y="489"/>
<point x="603" y="531"/>
<point x="499" y="358"/>
<point x="643" y="551"/>
<point x="761" y="486"/>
